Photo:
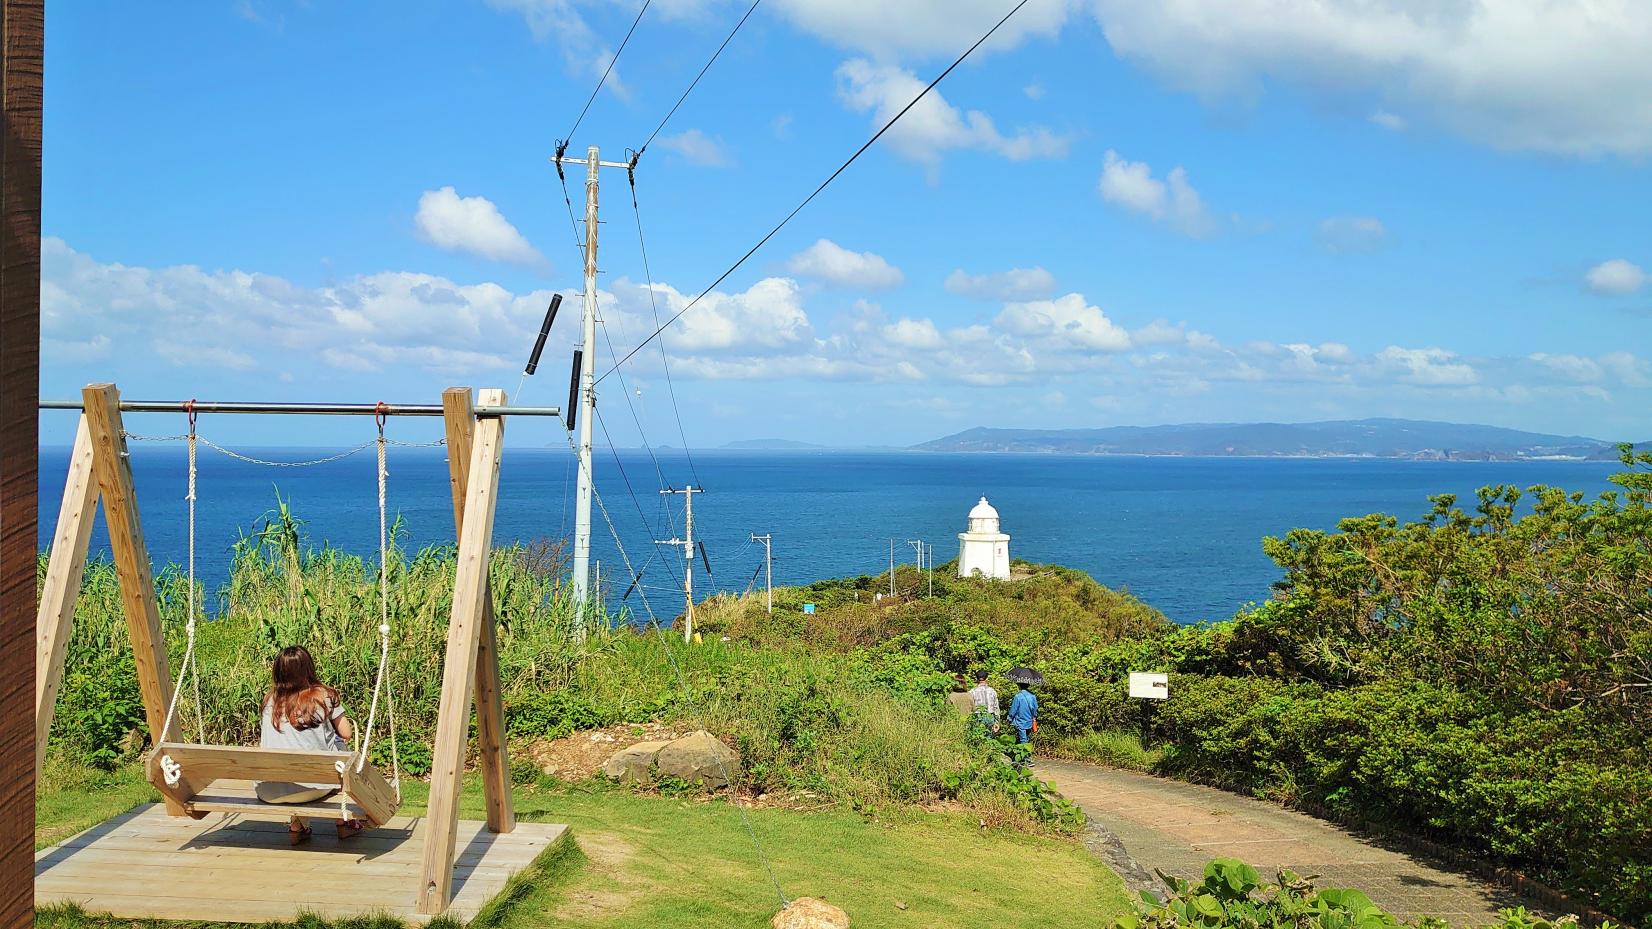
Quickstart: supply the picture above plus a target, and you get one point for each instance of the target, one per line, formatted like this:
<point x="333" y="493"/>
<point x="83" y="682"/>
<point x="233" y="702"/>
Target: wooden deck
<point x="232" y="868"/>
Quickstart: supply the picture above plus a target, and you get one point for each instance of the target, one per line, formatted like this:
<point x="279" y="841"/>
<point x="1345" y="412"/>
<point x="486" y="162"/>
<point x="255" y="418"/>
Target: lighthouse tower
<point x="983" y="551"/>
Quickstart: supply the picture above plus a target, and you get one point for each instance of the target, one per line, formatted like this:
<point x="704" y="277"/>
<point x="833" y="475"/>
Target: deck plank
<point x="230" y="868"/>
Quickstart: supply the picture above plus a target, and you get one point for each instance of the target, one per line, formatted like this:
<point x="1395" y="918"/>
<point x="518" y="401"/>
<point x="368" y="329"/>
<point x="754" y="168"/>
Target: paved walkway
<point x="1141" y="822"/>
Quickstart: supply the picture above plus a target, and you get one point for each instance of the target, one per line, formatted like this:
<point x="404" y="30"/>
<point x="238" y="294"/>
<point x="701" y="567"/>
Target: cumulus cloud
<point x="1014" y="284"/>
<point x="1172" y="201"/>
<point x="1428" y="367"/>
<point x="921" y="28"/>
<point x="1344" y="235"/>
<point x="1615" y="278"/>
<point x="1570" y="76"/>
<point x="698" y="148"/>
<point x="473" y="225"/>
<point x="110" y="315"/>
<point x="830" y="262"/>
<point x="933" y="127"/>
<point x="1068" y="322"/>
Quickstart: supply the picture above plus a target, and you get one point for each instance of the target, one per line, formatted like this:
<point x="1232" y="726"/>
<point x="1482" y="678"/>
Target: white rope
<point x="171" y="770"/>
<point x="384" y="634"/>
<point x="185" y="668"/>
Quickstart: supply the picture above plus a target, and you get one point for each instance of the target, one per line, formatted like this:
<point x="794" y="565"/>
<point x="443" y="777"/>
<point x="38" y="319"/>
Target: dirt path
<point x="1143" y="822"/>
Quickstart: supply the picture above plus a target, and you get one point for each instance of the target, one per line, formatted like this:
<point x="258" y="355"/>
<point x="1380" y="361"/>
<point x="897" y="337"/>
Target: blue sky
<point x="1214" y="210"/>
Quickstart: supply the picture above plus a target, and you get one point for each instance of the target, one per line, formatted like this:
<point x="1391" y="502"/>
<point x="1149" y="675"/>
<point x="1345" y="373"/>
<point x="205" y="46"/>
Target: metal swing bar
<point x="324" y="409"/>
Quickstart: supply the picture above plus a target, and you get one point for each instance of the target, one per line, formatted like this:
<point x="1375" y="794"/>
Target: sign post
<point x="1148" y="687"/>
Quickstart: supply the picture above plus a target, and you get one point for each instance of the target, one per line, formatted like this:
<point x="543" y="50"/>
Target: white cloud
<point x="698" y="148"/>
<point x="1067" y="322"/>
<point x="1344" y="235"/>
<point x="922" y="28"/>
<point x="1571" y="367"/>
<point x="1428" y="367"/>
<point x="830" y="262"/>
<point x="1565" y="76"/>
<point x="1616" y="277"/>
<point x="473" y="225"/>
<point x="1173" y="201"/>
<point x="1034" y="91"/>
<point x="118" y="321"/>
<point x="934" y="126"/>
<point x="1014" y="284"/>
<point x="1393" y="122"/>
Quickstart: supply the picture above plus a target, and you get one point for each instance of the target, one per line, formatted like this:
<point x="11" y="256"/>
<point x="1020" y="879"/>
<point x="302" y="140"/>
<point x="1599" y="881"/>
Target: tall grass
<point x="282" y="591"/>
<point x="825" y="724"/>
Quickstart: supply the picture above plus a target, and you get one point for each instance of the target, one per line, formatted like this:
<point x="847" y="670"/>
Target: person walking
<point x="1024" y="714"/>
<point x="984" y="701"/>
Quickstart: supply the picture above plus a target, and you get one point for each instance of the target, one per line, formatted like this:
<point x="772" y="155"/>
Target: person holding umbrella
<point x="1023" y="713"/>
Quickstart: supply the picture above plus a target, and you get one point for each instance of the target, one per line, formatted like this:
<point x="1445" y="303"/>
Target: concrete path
<point x="1141" y="822"/>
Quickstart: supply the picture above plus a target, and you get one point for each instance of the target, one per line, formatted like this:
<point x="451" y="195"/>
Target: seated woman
<point x="301" y="712"/>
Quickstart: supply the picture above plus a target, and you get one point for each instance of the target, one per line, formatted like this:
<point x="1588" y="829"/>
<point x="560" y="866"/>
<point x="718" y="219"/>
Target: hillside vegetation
<point x="1482" y="675"/>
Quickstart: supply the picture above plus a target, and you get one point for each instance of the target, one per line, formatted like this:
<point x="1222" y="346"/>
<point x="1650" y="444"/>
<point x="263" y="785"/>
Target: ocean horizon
<point x="1182" y="533"/>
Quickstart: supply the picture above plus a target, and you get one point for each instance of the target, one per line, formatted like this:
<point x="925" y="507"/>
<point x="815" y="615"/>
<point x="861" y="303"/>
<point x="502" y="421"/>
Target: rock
<point x="809" y="913"/>
<point x="633" y="765"/>
<point x="699" y="758"/>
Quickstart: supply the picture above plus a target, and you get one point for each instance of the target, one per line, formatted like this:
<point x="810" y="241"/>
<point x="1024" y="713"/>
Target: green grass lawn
<point x="665" y="863"/>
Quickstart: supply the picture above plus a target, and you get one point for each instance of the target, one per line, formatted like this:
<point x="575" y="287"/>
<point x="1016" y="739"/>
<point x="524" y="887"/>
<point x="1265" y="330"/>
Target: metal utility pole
<point x="587" y="376"/>
<point x="931" y="572"/>
<point x="768" y="565"/>
<point x="891" y="568"/>
<point x="687" y="542"/>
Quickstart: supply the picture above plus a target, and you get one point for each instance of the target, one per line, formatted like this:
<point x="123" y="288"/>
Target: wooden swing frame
<point x="99" y="467"/>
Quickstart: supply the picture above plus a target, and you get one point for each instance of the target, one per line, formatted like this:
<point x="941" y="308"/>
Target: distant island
<point x="772" y="445"/>
<point x="1361" y="438"/>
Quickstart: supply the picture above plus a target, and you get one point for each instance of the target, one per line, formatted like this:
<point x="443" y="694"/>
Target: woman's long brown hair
<point x="298" y="696"/>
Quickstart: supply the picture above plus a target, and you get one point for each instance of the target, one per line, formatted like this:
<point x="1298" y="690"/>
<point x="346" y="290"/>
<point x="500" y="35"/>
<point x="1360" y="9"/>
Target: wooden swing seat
<point x="370" y="797"/>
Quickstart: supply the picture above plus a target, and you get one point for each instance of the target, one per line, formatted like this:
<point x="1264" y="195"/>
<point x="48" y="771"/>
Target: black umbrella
<point x="1024" y="676"/>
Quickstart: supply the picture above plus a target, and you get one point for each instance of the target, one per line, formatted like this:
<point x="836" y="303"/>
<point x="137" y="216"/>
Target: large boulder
<point x="810" y="913"/>
<point x="634" y="764"/>
<point x="699" y="758"/>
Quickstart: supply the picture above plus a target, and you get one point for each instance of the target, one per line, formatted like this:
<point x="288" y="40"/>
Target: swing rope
<point x="384" y="631"/>
<point x="187" y="669"/>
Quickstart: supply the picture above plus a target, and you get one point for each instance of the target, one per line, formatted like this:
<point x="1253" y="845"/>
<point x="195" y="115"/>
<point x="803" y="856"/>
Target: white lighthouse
<point x="983" y="551"/>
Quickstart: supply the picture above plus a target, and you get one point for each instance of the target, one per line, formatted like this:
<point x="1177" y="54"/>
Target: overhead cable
<point x="604" y="79"/>
<point x="823" y="185"/>
<point x="692" y="84"/>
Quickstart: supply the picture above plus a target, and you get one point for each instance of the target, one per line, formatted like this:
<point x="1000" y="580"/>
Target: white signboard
<point x="1149" y="685"/>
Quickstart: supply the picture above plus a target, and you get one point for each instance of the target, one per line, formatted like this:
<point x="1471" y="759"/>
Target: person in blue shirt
<point x="1023" y="714"/>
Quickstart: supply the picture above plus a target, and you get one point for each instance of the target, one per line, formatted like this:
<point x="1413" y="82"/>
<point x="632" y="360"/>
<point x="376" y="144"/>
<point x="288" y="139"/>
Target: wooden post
<point x="63" y="573"/>
<point x="23" y="35"/>
<point x="490" y="708"/>
<point x="447" y="766"/>
<point x="137" y="584"/>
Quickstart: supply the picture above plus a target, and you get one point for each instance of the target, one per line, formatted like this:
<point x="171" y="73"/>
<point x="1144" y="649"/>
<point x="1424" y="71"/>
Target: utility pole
<point x="687" y="542"/>
<point x="931" y="572"/>
<point x="767" y="539"/>
<point x="891" y="568"/>
<point x="587" y="376"/>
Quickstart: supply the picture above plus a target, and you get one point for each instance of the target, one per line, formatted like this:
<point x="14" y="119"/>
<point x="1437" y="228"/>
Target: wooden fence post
<point x="459" y="668"/>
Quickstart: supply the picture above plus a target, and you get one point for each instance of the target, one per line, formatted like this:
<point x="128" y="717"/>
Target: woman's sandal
<point x="349" y="827"/>
<point x="298" y="836"/>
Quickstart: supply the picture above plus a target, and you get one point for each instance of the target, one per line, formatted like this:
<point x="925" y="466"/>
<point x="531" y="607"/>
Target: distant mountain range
<point x="1361" y="438"/>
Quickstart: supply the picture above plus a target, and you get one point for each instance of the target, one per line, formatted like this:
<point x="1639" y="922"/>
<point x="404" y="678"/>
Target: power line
<point x="823" y="184"/>
<point x="692" y="84"/>
<point x="642" y="246"/>
<point x="606" y="71"/>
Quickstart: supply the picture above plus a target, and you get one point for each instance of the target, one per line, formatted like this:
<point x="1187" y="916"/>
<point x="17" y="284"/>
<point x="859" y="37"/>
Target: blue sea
<point x="1184" y="534"/>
